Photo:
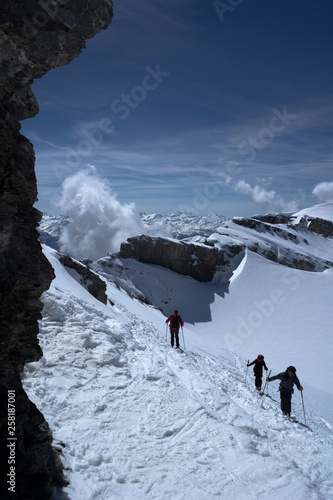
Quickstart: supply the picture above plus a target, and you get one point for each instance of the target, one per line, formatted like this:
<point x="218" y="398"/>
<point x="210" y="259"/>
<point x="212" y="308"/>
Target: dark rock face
<point x="314" y="224"/>
<point x="320" y="226"/>
<point x="263" y="226"/>
<point x="199" y="261"/>
<point x="283" y="218"/>
<point x="35" y="36"/>
<point x="90" y="280"/>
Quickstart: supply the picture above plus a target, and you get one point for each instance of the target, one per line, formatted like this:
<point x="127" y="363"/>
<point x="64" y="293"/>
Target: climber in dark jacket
<point x="288" y="379"/>
<point x="259" y="364"/>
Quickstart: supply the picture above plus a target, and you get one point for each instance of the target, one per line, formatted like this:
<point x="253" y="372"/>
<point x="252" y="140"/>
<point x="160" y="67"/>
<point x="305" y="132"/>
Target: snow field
<point x="136" y="419"/>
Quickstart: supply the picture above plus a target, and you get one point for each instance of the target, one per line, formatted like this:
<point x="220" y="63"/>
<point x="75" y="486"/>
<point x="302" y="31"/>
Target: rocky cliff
<point x="35" y="36"/>
<point x="199" y="261"/>
<point x="304" y="244"/>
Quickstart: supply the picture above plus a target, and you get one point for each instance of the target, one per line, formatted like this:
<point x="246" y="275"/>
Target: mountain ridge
<point x="187" y="225"/>
<point x="180" y="225"/>
<point x="295" y="240"/>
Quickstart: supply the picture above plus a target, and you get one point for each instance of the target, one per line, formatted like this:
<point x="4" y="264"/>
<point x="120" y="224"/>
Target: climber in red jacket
<point x="175" y="323"/>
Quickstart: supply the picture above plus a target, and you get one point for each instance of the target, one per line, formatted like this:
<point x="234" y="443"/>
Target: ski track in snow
<point x="136" y="419"/>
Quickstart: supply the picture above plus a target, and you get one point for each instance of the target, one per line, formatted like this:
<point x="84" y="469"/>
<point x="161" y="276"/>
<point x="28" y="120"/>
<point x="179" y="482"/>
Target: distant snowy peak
<point x="181" y="225"/>
<point x="53" y="224"/>
<point x="50" y="229"/>
<point x="185" y="224"/>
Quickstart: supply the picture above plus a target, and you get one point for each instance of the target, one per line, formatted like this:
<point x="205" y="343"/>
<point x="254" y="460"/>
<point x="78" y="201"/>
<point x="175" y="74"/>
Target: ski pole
<point x="303" y="407"/>
<point x="247" y="367"/>
<point x="270" y="371"/>
<point x="183" y="338"/>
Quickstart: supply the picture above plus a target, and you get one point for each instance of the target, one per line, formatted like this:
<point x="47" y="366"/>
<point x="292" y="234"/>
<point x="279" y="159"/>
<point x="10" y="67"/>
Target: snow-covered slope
<point x="265" y="307"/>
<point x="136" y="419"/>
<point x="322" y="211"/>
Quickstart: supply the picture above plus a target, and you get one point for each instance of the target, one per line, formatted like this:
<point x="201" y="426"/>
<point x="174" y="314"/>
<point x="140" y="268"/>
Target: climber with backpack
<point x="175" y="323"/>
<point x="288" y="379"/>
<point x="259" y="364"/>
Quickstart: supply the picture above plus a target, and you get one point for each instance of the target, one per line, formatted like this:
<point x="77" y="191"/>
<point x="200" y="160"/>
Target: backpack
<point x="259" y="364"/>
<point x="174" y="322"/>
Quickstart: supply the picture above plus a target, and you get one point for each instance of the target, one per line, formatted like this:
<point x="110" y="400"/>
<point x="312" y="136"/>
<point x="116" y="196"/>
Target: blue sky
<point x="206" y="106"/>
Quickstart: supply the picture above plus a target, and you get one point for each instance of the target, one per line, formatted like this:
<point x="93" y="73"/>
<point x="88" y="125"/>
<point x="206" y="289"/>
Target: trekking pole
<point x="183" y="338"/>
<point x="166" y="334"/>
<point x="270" y="371"/>
<point x="248" y="361"/>
<point x="303" y="407"/>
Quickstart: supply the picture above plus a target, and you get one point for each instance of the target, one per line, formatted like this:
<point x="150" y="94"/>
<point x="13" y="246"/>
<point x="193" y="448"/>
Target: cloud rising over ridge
<point x="99" y="222"/>
<point x="324" y="191"/>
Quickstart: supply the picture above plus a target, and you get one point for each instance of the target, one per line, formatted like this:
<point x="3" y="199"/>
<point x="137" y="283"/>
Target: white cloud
<point x="100" y="223"/>
<point x="324" y="191"/>
<point x="268" y="200"/>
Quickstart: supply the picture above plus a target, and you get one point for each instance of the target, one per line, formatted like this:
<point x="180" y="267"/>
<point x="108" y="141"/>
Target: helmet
<point x="291" y="369"/>
<point x="260" y="357"/>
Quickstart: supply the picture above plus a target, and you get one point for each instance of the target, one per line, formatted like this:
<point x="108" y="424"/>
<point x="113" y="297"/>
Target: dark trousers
<point x="174" y="335"/>
<point x="258" y="379"/>
<point x="285" y="401"/>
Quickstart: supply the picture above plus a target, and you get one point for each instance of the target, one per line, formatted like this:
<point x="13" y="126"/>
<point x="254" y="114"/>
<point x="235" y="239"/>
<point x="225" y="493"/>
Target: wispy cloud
<point x="37" y="139"/>
<point x="267" y="200"/>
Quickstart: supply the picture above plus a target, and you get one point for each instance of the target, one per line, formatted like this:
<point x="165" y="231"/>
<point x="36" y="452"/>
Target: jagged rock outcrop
<point x="283" y="218"/>
<point x="314" y="224"/>
<point x="264" y="227"/>
<point x="90" y="280"/>
<point x="320" y="226"/>
<point x="35" y="36"/>
<point x="199" y="261"/>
